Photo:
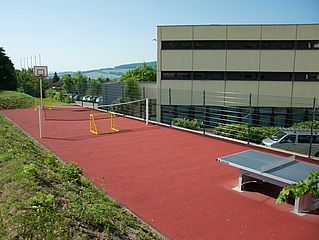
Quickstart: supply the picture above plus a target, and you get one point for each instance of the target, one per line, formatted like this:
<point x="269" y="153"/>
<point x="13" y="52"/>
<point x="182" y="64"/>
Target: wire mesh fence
<point x="243" y="116"/>
<point x="246" y="117"/>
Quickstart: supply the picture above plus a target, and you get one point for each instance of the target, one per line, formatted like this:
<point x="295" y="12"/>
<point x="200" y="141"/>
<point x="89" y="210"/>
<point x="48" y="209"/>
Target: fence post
<point x="312" y="125"/>
<point x="144" y="92"/>
<point x="204" y="108"/>
<point x="249" y="120"/>
<point x="170" y="104"/>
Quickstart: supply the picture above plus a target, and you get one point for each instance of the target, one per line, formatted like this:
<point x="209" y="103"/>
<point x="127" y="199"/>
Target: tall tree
<point x="8" y="80"/>
<point x="30" y="84"/>
<point x="80" y="83"/>
<point x="68" y="83"/>
<point x="55" y="78"/>
<point x="143" y="73"/>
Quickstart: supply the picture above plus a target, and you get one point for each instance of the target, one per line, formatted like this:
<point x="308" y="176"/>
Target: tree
<point x="68" y="83"/>
<point x="80" y="83"/>
<point x="55" y="78"/>
<point x="30" y="84"/>
<point x="8" y="80"/>
<point x="143" y="73"/>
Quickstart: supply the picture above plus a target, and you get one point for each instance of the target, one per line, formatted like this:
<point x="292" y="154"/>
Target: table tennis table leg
<point x="244" y="178"/>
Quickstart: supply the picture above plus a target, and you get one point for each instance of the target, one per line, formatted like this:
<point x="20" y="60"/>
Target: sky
<point x="78" y="35"/>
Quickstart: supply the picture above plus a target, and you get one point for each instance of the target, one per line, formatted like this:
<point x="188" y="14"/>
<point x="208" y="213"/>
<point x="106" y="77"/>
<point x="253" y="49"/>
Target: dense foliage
<point x="240" y="131"/>
<point x="142" y="73"/>
<point x="187" y="123"/>
<point x="13" y="100"/>
<point x="8" y="79"/>
<point x="30" y="84"/>
<point x="42" y="198"/>
<point x="306" y="125"/>
<point x="309" y="185"/>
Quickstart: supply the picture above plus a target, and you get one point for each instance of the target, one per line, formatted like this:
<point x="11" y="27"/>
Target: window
<point x="303" y="138"/>
<point x="241" y="75"/>
<point x="172" y="45"/>
<point x="209" y="45"/>
<point x="315" y="139"/>
<point x="289" y="139"/>
<point x="307" y="76"/>
<point x="275" y="76"/>
<point x="168" y="76"/>
<point x="208" y="75"/>
<point x="308" y="44"/>
<point x="243" y="44"/>
<point x="278" y="45"/>
<point x="184" y="75"/>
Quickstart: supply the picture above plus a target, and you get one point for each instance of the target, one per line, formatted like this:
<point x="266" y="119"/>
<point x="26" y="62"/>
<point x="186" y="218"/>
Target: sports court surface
<point x="169" y="178"/>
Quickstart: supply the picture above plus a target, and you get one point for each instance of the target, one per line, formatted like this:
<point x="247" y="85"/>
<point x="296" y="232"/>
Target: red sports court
<point x="169" y="178"/>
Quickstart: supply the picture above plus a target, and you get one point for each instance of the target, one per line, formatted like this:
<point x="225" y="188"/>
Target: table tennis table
<point x="273" y="169"/>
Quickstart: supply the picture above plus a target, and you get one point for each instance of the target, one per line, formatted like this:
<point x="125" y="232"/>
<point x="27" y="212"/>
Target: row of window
<point x="246" y="44"/>
<point x="263" y="76"/>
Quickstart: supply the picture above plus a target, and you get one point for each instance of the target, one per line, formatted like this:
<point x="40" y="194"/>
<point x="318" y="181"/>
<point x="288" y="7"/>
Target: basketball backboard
<point x="40" y="71"/>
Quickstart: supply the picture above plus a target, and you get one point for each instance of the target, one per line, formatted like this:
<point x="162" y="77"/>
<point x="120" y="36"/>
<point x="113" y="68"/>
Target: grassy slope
<point x="12" y="100"/>
<point x="42" y="198"/>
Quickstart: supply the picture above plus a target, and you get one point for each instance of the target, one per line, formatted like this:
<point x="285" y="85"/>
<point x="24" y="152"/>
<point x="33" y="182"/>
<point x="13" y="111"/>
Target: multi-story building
<point x="262" y="60"/>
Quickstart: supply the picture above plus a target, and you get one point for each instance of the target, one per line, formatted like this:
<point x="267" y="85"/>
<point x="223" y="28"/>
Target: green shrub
<point x="13" y="100"/>
<point x="187" y="123"/>
<point x="308" y="185"/>
<point x="240" y="132"/>
<point x="306" y="125"/>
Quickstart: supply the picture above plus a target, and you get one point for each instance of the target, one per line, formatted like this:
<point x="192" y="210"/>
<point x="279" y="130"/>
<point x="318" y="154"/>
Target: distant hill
<point x="112" y="73"/>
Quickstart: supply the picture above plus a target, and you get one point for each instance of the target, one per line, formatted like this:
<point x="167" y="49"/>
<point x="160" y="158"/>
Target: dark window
<point x="307" y="44"/>
<point x="184" y="75"/>
<point x="307" y="76"/>
<point x="289" y="139"/>
<point x="303" y="138"/>
<point x="284" y="45"/>
<point x="209" y="45"/>
<point x="241" y="75"/>
<point x="176" y="75"/>
<point x="275" y="76"/>
<point x="177" y="45"/>
<point x="208" y="75"/>
<point x="243" y="44"/>
<point x="168" y="75"/>
<point x="315" y="139"/>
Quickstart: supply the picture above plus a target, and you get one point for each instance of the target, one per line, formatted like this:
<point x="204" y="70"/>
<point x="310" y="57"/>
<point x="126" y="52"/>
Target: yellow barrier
<point x="109" y="123"/>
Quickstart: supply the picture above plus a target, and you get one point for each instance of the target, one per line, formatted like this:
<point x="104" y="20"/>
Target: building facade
<point x="262" y="60"/>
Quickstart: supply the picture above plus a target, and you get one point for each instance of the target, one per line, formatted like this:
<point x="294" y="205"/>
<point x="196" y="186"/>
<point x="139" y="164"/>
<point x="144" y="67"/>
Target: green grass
<point x="50" y="102"/>
<point x="43" y="198"/>
<point x="12" y="100"/>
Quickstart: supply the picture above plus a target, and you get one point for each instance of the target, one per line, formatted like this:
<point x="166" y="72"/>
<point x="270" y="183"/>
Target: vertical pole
<point x="170" y="105"/>
<point x="144" y="92"/>
<point x="312" y="124"/>
<point x="40" y="125"/>
<point x="41" y="91"/>
<point x="204" y="114"/>
<point x="40" y="108"/>
<point x="249" y="120"/>
<point x="146" y="111"/>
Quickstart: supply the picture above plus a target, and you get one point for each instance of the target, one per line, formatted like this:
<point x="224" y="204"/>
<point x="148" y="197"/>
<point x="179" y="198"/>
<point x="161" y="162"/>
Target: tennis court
<point x="169" y="178"/>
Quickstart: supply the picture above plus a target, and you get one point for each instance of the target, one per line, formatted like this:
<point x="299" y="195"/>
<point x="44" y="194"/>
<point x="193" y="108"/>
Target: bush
<point x="306" y="125"/>
<point x="240" y="132"/>
<point x="187" y="123"/>
<point x="13" y="100"/>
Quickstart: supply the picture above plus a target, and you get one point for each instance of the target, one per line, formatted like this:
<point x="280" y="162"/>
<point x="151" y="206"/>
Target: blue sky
<point x="81" y="35"/>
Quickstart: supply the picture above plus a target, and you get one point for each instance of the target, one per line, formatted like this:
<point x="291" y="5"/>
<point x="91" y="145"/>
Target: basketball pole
<point x="40" y="108"/>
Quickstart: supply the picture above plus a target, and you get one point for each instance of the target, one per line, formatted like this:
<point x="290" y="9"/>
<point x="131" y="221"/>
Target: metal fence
<point x="246" y="117"/>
